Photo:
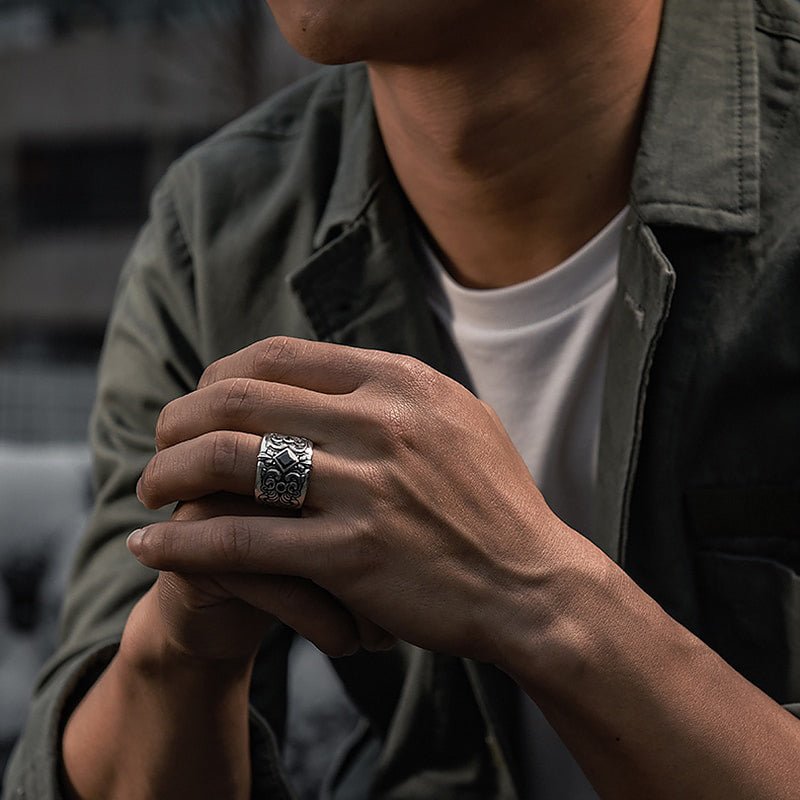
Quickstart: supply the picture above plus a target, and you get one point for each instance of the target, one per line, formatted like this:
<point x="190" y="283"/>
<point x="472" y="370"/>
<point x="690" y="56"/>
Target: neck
<point x="519" y="149"/>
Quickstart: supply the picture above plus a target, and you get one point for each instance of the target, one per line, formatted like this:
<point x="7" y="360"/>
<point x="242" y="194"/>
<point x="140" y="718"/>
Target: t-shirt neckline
<point x="587" y="270"/>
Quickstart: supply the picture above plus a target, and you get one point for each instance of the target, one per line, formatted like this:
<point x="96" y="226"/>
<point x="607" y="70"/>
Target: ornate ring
<point x="283" y="469"/>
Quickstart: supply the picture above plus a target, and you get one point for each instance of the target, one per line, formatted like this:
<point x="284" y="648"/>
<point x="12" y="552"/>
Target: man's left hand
<point x="420" y="513"/>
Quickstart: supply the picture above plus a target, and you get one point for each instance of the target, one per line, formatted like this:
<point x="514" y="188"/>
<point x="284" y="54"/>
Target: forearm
<point x="650" y="711"/>
<point x="160" y="724"/>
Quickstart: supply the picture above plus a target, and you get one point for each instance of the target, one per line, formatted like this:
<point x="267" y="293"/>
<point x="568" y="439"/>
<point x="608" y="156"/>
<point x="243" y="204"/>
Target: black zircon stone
<point x="286" y="459"/>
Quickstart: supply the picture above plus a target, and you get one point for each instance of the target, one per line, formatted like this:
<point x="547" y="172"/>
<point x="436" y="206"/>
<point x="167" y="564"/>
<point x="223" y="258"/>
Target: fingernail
<point x="134" y="541"/>
<point x="139" y="491"/>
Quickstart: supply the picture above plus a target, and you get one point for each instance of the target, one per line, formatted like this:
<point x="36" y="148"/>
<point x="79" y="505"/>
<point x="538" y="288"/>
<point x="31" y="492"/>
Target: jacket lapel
<point x="698" y="167"/>
<point x="646" y="282"/>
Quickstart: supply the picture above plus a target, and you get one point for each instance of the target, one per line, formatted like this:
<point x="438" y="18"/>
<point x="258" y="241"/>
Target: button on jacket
<point x="290" y="221"/>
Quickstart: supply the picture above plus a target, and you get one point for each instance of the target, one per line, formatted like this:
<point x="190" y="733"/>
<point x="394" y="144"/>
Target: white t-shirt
<point x="536" y="352"/>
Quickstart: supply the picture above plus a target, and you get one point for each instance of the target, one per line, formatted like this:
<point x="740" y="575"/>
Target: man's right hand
<point x="169" y="716"/>
<point x="225" y="617"/>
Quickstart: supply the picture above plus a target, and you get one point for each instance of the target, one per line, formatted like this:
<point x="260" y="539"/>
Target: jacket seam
<point x="737" y="25"/>
<point x="689" y="204"/>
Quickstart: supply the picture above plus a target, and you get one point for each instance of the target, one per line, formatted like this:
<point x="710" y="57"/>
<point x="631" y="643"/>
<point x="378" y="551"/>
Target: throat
<point x="502" y="253"/>
<point x="514" y="158"/>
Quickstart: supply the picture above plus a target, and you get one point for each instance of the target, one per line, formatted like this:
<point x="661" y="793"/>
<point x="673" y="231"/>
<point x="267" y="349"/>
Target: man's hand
<point x="211" y="617"/>
<point x="420" y="513"/>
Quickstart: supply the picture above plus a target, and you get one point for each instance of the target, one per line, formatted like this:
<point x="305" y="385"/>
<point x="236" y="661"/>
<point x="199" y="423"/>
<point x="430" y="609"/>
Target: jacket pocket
<point x="751" y="616"/>
<point x="747" y="545"/>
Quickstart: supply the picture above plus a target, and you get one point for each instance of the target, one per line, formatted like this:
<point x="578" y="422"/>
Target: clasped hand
<point x="420" y="517"/>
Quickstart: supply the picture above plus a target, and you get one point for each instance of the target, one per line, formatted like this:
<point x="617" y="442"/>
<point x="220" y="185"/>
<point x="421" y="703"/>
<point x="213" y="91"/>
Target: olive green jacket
<point x="290" y="221"/>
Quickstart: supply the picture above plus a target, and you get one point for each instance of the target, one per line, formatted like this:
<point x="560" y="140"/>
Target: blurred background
<point x="97" y="98"/>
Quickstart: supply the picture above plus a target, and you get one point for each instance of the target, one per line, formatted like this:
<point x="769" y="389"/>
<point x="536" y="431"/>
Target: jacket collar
<point x="363" y="165"/>
<point x="698" y="160"/>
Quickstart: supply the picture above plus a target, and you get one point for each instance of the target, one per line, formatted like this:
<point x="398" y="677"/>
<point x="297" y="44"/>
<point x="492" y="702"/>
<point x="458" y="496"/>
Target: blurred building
<point x="97" y="97"/>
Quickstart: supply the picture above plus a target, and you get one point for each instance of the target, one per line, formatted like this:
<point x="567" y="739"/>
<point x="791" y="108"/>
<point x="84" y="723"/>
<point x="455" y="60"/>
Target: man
<point x="509" y="135"/>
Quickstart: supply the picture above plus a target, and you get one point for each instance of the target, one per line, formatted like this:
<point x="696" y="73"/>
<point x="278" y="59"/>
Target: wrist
<point x="148" y="652"/>
<point x="160" y="721"/>
<point x="555" y="621"/>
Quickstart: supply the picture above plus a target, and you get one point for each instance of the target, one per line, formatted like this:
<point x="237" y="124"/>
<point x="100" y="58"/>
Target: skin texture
<point x="341" y="31"/>
<point x="369" y="439"/>
<point x="485" y="568"/>
<point x="512" y="128"/>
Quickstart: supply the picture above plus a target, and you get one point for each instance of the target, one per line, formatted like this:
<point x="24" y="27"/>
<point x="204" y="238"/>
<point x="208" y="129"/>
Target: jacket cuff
<point x="34" y="770"/>
<point x="269" y="778"/>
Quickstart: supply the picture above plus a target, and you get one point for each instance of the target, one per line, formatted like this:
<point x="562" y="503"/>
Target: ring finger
<point x="251" y="406"/>
<point x="225" y="461"/>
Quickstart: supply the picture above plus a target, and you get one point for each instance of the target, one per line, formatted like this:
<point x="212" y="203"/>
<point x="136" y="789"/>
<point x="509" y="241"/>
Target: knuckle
<point x="165" y="426"/>
<point x="237" y="399"/>
<point x="413" y="371"/>
<point x="275" y="357"/>
<point x="209" y="376"/>
<point x="431" y="385"/>
<point x="413" y="381"/>
<point x="222" y="457"/>
<point x="414" y="405"/>
<point x="234" y="541"/>
<point x="149" y="482"/>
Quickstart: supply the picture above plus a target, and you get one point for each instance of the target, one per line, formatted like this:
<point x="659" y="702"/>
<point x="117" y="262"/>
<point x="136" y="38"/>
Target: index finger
<point x="307" y="547"/>
<point x="318" y="366"/>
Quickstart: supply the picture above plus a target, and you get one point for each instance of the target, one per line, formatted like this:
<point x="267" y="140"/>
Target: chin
<point x="326" y="31"/>
<point x="401" y="31"/>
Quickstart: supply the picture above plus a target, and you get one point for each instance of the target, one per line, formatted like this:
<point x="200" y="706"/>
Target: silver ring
<point x="283" y="469"/>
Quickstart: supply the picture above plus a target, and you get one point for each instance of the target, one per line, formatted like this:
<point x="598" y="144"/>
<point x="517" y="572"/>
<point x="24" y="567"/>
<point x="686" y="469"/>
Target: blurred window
<point x="81" y="184"/>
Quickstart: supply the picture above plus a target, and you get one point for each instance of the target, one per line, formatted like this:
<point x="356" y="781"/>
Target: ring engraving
<point x="283" y="469"/>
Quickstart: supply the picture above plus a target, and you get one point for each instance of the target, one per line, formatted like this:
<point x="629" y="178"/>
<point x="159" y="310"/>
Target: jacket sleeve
<point x="150" y="356"/>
